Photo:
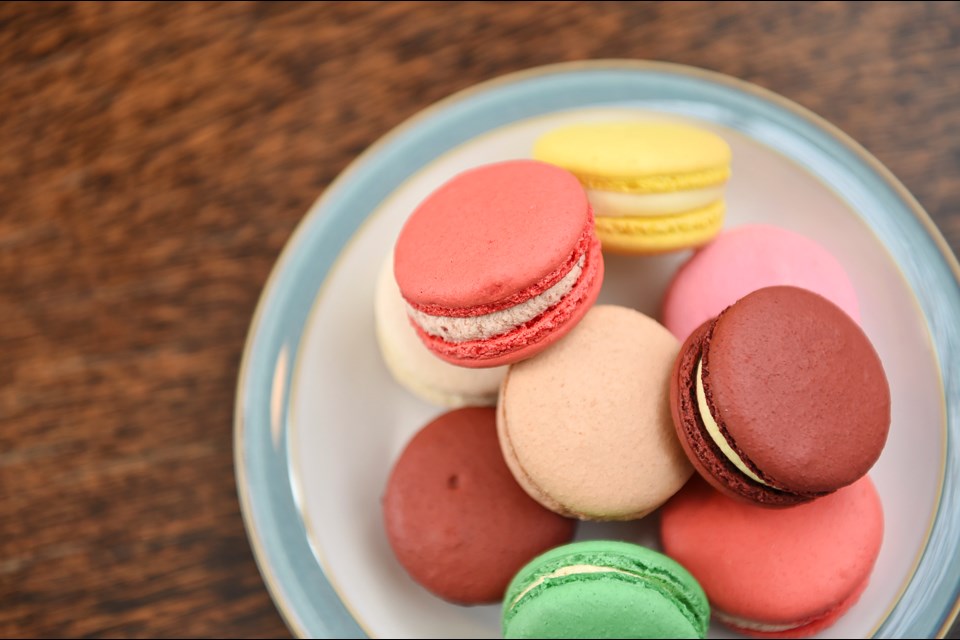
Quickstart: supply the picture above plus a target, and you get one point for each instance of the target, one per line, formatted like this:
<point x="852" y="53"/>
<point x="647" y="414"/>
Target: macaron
<point x="776" y="573"/>
<point x="454" y="516"/>
<point x="655" y="186"/>
<point x="747" y="258"/>
<point x="414" y="367"/>
<point x="604" y="589"/>
<point x="781" y="398"/>
<point x="499" y="262"/>
<point x="585" y="426"/>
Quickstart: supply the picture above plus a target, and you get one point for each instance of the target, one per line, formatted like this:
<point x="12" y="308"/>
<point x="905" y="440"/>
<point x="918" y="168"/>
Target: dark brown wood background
<point x="153" y="161"/>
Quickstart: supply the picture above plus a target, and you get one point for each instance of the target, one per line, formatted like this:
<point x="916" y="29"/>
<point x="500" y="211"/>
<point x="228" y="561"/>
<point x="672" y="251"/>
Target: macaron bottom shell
<point x="603" y="608"/>
<point x="803" y="629"/>
<point x="604" y="589"/>
<point x="533" y="337"/>
<point x="646" y="235"/>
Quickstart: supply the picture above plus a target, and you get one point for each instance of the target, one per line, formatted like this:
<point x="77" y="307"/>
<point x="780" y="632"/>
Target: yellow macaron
<point x="655" y="186"/>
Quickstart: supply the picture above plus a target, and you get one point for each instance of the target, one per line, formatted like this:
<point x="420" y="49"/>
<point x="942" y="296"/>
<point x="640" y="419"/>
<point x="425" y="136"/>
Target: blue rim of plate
<point x="310" y="606"/>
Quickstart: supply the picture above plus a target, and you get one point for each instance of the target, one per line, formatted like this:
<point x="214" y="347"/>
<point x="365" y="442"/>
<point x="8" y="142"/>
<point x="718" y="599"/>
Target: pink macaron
<point x="776" y="573"/>
<point x="499" y="262"/>
<point x="747" y="258"/>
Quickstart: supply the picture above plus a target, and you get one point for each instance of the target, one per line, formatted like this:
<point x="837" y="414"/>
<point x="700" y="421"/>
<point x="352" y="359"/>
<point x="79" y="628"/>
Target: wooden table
<point x="154" y="160"/>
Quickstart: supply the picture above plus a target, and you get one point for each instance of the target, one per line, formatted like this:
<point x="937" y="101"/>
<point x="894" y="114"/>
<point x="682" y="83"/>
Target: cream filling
<point x="756" y="626"/>
<point x="499" y="322"/>
<point x="615" y="204"/>
<point x="714" y="430"/>
<point x="569" y="571"/>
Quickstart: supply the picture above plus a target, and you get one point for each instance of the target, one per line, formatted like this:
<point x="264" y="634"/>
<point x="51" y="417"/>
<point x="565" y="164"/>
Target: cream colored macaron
<point x="654" y="185"/>
<point x="585" y="426"/>
<point x="413" y="366"/>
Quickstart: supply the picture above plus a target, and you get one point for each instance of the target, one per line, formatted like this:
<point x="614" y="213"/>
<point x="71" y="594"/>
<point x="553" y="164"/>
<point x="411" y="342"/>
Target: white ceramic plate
<point x="320" y="421"/>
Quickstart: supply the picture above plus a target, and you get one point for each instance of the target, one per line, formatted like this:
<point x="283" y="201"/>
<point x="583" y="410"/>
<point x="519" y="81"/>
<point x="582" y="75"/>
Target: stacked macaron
<point x="781" y="398"/>
<point x="499" y="263"/>
<point x="751" y="415"/>
<point x="655" y="186"/>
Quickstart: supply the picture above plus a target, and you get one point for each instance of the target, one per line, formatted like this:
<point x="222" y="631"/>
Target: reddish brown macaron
<point x="780" y="399"/>
<point x="456" y="519"/>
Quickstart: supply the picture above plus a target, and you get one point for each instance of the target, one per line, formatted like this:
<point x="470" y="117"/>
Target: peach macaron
<point x="585" y="426"/>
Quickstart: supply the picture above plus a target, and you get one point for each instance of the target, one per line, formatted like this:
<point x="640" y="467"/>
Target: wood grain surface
<point x="155" y="158"/>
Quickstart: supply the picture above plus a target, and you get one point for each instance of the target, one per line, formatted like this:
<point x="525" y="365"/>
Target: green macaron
<point x="604" y="589"/>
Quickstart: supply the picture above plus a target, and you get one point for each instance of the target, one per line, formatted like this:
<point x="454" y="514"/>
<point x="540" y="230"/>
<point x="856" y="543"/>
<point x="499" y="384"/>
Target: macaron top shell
<point x="604" y="589"/>
<point x="784" y="567"/>
<point x="799" y="388"/>
<point x="638" y="149"/>
<point x="490" y="233"/>
<point x="744" y="259"/>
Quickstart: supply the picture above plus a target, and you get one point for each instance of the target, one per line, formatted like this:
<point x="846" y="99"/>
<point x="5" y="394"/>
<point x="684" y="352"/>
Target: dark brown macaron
<point x="456" y="519"/>
<point x="780" y="399"/>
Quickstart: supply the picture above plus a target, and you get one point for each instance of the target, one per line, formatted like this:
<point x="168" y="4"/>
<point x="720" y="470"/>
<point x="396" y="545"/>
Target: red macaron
<point x="776" y="573"/>
<point x="456" y="519"/>
<point x="780" y="399"/>
<point x="499" y="262"/>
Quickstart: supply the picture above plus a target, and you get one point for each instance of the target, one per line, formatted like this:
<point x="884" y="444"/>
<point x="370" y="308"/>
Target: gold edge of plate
<point x="295" y="470"/>
<point x="273" y="587"/>
<point x="951" y="618"/>
<point x="246" y="509"/>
